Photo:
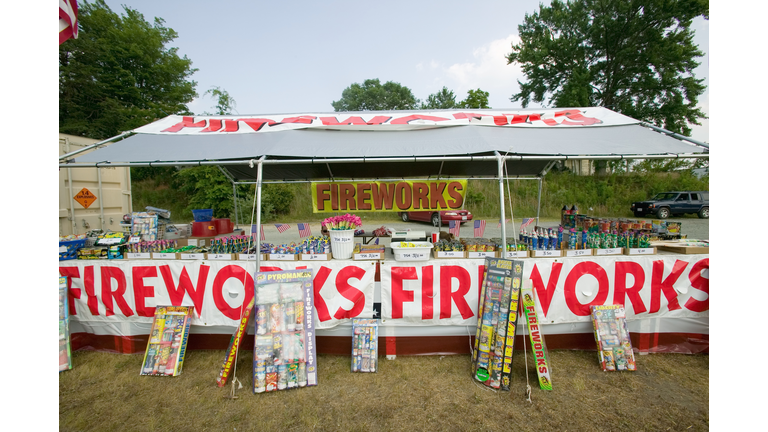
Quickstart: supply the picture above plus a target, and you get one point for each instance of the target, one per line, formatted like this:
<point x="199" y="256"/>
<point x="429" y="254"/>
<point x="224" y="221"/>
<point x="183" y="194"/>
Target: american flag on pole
<point x="67" y="20"/>
<point x="505" y="221"/>
<point x="454" y="227"/>
<point x="261" y="230"/>
<point x="304" y="230"/>
<point x="281" y="228"/>
<point x="479" y="228"/>
<point x="526" y="222"/>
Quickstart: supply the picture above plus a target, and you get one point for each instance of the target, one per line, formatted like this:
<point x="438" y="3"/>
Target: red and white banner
<point x="392" y="120"/>
<point x="445" y="292"/>
<point x="435" y="292"/>
<point x="121" y="291"/>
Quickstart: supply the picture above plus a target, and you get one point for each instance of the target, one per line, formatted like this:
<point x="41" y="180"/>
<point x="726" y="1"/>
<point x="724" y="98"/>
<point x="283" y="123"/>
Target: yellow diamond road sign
<point x="85" y="198"/>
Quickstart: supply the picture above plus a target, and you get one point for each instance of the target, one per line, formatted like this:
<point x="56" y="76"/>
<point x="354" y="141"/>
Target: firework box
<point x="496" y="323"/>
<point x="167" y="341"/>
<point x="234" y="345"/>
<point x="613" y="344"/>
<point x="65" y="352"/>
<point x="365" y="345"/>
<point x="284" y="352"/>
<point x="538" y="346"/>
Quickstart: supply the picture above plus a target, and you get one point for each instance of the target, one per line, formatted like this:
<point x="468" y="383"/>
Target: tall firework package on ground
<point x="234" y="345"/>
<point x="613" y="344"/>
<point x="365" y="345"/>
<point x="496" y="323"/>
<point x="65" y="352"/>
<point x="167" y="341"/>
<point x="538" y="346"/>
<point x="284" y="352"/>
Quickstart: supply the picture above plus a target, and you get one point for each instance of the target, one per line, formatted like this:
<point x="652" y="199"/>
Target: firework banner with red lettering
<point x="538" y="346"/>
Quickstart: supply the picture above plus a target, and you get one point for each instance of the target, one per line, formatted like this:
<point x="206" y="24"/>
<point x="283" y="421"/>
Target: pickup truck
<point x="677" y="203"/>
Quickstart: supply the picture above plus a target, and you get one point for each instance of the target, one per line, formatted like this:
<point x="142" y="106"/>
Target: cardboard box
<point x="195" y="241"/>
<point x="449" y="254"/>
<point x="316" y="257"/>
<point x="681" y="249"/>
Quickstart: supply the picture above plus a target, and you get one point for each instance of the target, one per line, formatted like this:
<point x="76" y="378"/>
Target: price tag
<point x="192" y="256"/>
<point x="641" y="251"/>
<point x="220" y="257"/>
<point x="314" y="257"/>
<point x="610" y="251"/>
<point x="109" y="241"/>
<point x="579" y="252"/>
<point x="141" y="255"/>
<point x="134" y="239"/>
<point x="247" y="257"/>
<point x="546" y="253"/>
<point x="62" y="249"/>
<point x="450" y="254"/>
<point x="517" y="254"/>
<point x="282" y="257"/>
<point x="368" y="256"/>
<point x="166" y="256"/>
<point x="341" y="239"/>
<point x="414" y="255"/>
<point x="482" y="254"/>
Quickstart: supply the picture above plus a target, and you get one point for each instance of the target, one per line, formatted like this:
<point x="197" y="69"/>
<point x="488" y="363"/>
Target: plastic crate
<point x="71" y="251"/>
<point x="204" y="215"/>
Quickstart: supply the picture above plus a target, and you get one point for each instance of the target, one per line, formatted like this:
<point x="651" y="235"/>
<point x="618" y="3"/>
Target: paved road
<point x="692" y="227"/>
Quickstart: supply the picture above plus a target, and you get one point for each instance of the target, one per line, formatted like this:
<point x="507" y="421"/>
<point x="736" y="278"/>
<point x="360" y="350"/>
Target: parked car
<point x="677" y="203"/>
<point x="432" y="217"/>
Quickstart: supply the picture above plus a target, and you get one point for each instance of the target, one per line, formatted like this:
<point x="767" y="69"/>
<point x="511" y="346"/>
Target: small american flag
<point x="454" y="228"/>
<point x="281" y="228"/>
<point x="526" y="222"/>
<point x="304" y="230"/>
<point x="505" y="221"/>
<point x="479" y="228"/>
<point x="261" y="231"/>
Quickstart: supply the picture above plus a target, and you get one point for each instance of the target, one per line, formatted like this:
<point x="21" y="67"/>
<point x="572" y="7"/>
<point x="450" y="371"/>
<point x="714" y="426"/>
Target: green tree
<point x="475" y="99"/>
<point x="118" y="74"/>
<point x="372" y="95"/>
<point x="444" y="99"/>
<point x="635" y="57"/>
<point x="225" y="103"/>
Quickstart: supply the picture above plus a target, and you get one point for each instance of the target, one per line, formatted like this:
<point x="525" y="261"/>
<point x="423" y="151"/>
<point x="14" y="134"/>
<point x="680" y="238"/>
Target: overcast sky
<point x="291" y="57"/>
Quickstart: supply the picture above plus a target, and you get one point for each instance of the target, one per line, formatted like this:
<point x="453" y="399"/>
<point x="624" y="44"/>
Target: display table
<point x="425" y="307"/>
<point x="368" y="238"/>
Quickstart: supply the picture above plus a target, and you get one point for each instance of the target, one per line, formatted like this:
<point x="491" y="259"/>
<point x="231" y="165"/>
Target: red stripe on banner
<point x="391" y="348"/>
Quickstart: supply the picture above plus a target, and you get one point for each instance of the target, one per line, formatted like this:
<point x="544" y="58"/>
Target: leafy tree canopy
<point x="372" y="96"/>
<point x="225" y="103"/>
<point x="119" y="75"/>
<point x="635" y="57"/>
<point x="475" y="99"/>
<point x="444" y="99"/>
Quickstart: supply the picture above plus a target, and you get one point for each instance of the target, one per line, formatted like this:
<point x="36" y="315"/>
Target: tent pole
<point x="500" y="162"/>
<point x="234" y="194"/>
<point x="259" y="172"/>
<point x="538" y="208"/>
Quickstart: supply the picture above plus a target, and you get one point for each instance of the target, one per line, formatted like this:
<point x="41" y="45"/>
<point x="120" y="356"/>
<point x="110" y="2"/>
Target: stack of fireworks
<point x="232" y="244"/>
<point x="279" y="356"/>
<point x="541" y="238"/>
<point x="167" y="341"/>
<point x="449" y="246"/>
<point x="290" y="249"/>
<point x="496" y="324"/>
<point x="316" y="245"/>
<point x="511" y="246"/>
<point x="606" y="239"/>
<point x="155" y="246"/>
<point x="185" y="249"/>
<point x="612" y="337"/>
<point x="365" y="345"/>
<point x="479" y="245"/>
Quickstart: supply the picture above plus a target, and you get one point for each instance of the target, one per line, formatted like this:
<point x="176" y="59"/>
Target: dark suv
<point x="668" y="204"/>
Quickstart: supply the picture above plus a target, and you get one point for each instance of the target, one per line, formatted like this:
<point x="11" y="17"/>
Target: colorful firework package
<point x="365" y="345"/>
<point x="65" y="352"/>
<point x="284" y="353"/>
<point x="496" y="323"/>
<point x="538" y="346"/>
<point x="613" y="344"/>
<point x="234" y="345"/>
<point x="167" y="341"/>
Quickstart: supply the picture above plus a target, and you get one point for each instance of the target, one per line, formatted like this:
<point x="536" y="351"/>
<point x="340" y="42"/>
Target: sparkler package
<point x="496" y="322"/>
<point x="284" y="353"/>
<point x="365" y="345"/>
<point x="538" y="346"/>
<point x="167" y="341"/>
<point x="613" y="344"/>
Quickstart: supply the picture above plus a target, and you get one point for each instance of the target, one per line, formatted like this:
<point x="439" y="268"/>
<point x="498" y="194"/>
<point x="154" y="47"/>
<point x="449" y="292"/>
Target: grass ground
<point x="668" y="392"/>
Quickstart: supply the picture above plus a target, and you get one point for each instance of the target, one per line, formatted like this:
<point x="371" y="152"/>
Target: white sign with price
<point x="546" y="253"/>
<point x="341" y="239"/>
<point x="578" y="252"/>
<point x="414" y="255"/>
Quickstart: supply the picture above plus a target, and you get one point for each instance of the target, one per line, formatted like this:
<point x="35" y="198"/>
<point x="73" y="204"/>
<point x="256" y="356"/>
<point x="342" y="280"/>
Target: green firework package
<point x="284" y="353"/>
<point x="538" y="346"/>
<point x="496" y="323"/>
